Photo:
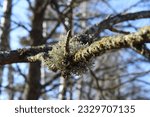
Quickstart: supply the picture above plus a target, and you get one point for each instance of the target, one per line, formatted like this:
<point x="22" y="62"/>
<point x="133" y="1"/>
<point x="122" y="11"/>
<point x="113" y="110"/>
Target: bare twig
<point x="90" y="34"/>
<point x="118" y="31"/>
<point x="97" y="83"/>
<point x="142" y="49"/>
<point x="67" y="50"/>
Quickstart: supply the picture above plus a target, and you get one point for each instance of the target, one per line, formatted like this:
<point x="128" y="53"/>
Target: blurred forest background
<point x="120" y="74"/>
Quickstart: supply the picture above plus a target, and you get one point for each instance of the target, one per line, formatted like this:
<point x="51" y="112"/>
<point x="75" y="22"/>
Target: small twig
<point x="30" y="5"/>
<point x="142" y="49"/>
<point x="48" y="83"/>
<point x="97" y="83"/>
<point x="67" y="50"/>
<point x="22" y="74"/>
<point x="118" y="31"/>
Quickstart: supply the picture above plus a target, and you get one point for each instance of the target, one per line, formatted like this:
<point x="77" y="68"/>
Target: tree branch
<point x="95" y="49"/>
<point x="115" y="42"/>
<point x="142" y="49"/>
<point x="21" y="55"/>
<point x="90" y="33"/>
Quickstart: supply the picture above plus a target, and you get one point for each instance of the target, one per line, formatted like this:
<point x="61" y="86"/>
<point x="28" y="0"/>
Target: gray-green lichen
<point x="74" y="56"/>
<point x="58" y="60"/>
<point x="106" y="44"/>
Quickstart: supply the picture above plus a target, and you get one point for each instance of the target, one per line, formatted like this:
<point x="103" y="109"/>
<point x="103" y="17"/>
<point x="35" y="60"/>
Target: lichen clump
<point x="58" y="60"/>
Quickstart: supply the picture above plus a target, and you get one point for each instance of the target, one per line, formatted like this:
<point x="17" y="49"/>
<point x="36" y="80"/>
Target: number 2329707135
<point x="106" y="109"/>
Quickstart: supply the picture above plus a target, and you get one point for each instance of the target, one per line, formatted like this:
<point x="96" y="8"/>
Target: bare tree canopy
<point x="74" y="49"/>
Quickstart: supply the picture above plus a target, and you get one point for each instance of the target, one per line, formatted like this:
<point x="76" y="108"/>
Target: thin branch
<point x="51" y="80"/>
<point x="19" y="24"/>
<point x="90" y="34"/>
<point x="22" y="74"/>
<point x="120" y="18"/>
<point x="142" y="49"/>
<point x="30" y="5"/>
<point x="118" y="31"/>
<point x="97" y="83"/>
<point x="132" y="6"/>
<point x="51" y="89"/>
<point x="52" y="31"/>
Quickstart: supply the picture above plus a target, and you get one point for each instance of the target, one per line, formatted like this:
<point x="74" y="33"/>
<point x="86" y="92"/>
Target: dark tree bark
<point x="5" y="42"/>
<point x="34" y="86"/>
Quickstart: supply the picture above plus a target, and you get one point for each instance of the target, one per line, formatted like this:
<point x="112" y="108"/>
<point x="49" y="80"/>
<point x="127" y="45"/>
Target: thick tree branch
<point x="21" y="55"/>
<point x="115" y="42"/>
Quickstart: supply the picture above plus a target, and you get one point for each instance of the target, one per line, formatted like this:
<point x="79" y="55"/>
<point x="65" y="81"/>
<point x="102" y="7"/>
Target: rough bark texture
<point x="21" y="55"/>
<point x="115" y="42"/>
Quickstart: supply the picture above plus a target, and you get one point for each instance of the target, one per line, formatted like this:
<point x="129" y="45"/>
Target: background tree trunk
<point x="36" y="34"/>
<point x="5" y="43"/>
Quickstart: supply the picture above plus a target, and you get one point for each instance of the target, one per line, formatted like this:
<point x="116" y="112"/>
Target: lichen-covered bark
<point x="115" y="42"/>
<point x="81" y="57"/>
<point x="97" y="48"/>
